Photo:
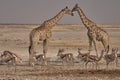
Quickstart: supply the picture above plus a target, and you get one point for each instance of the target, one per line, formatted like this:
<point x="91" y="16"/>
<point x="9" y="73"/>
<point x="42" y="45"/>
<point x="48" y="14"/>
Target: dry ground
<point x="53" y="72"/>
<point x="16" y="38"/>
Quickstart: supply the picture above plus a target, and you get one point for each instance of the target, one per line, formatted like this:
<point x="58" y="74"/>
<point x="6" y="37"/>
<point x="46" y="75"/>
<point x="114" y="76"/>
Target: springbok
<point x="117" y="57"/>
<point x="68" y="56"/>
<point x="40" y="58"/>
<point x="86" y="57"/>
<point x="94" y="59"/>
<point x="82" y="56"/>
<point x="109" y="58"/>
<point x="8" y="56"/>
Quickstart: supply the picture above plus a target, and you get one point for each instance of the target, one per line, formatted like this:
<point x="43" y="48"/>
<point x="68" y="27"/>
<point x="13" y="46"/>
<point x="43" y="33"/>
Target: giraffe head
<point x="75" y="8"/>
<point x="68" y="11"/>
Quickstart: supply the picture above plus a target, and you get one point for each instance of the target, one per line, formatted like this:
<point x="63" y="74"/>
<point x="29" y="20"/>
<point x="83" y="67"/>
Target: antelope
<point x="82" y="56"/>
<point x="117" y="57"/>
<point x="109" y="58"/>
<point x="86" y="57"/>
<point x="94" y="59"/>
<point x="8" y="56"/>
<point x="68" y="56"/>
<point x="40" y="58"/>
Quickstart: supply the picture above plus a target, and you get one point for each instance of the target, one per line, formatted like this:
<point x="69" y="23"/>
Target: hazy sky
<point x="37" y="11"/>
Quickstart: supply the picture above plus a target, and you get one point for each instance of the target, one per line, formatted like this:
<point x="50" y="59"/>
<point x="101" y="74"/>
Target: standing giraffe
<point x="94" y="33"/>
<point x="43" y="33"/>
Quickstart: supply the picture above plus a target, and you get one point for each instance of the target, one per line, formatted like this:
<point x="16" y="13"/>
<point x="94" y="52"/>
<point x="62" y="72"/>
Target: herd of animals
<point x="44" y="33"/>
<point x="11" y="57"/>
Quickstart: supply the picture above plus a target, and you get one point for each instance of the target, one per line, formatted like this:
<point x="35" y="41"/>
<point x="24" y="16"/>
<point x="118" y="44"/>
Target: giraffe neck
<point x="87" y="22"/>
<point x="56" y="18"/>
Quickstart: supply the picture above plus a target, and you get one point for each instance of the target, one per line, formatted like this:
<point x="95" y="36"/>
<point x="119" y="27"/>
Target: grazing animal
<point x="68" y="56"/>
<point x="109" y="58"/>
<point x="40" y="58"/>
<point x="94" y="59"/>
<point x="86" y="57"/>
<point x="117" y="57"/>
<point x="81" y="55"/>
<point x="43" y="33"/>
<point x="8" y="56"/>
<point x="94" y="33"/>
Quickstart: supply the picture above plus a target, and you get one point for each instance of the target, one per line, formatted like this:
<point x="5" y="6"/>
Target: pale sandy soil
<point x="16" y="38"/>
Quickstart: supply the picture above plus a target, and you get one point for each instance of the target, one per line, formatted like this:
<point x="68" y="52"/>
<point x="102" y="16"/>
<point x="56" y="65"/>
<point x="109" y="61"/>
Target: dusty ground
<point x="54" y="72"/>
<point x="16" y="38"/>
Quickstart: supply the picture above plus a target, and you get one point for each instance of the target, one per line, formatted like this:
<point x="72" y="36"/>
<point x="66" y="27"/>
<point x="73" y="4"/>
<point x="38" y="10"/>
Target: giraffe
<point x="94" y="33"/>
<point x="43" y="33"/>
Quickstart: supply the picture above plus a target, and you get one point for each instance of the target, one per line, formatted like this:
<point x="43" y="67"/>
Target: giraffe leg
<point x="90" y="40"/>
<point x="45" y="47"/>
<point x="95" y="45"/>
<point x="106" y="46"/>
<point x="90" y="45"/>
<point x="32" y="53"/>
